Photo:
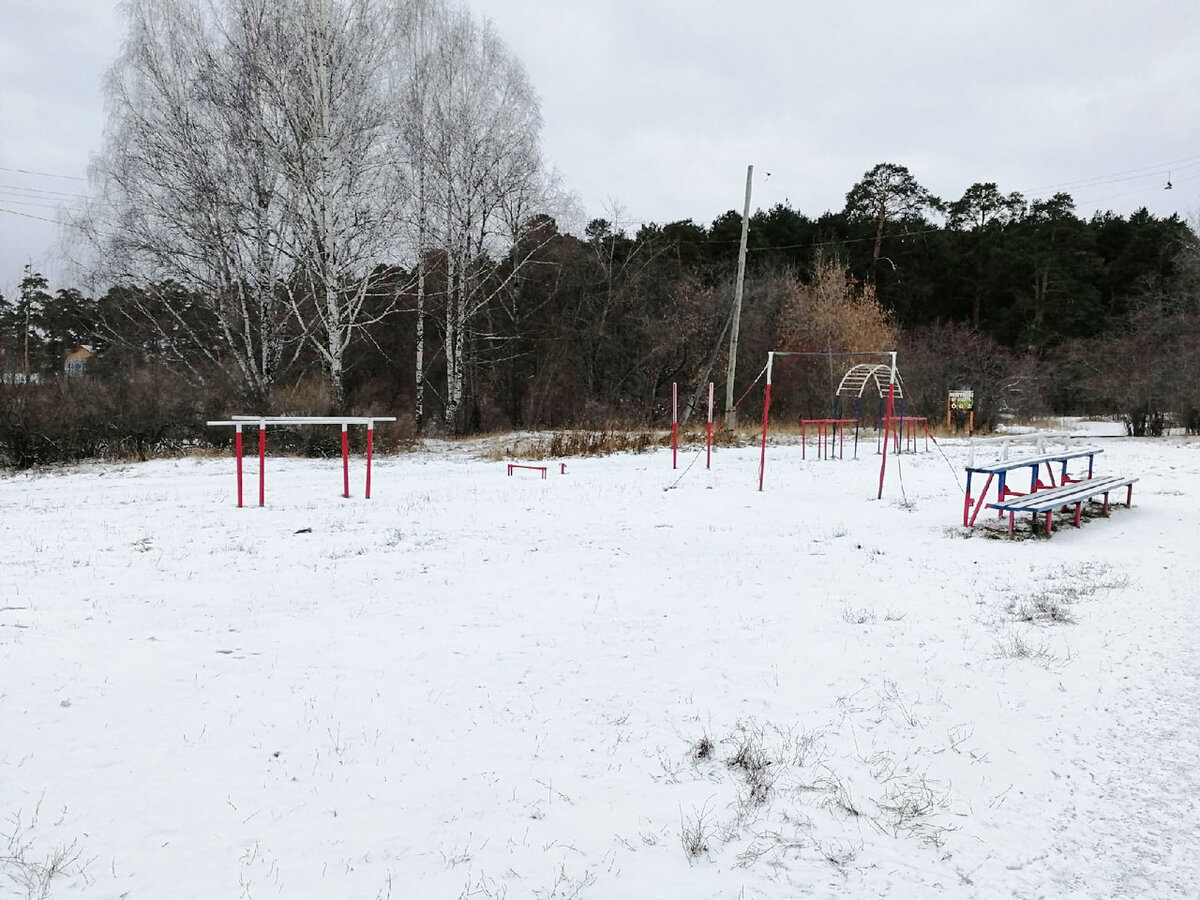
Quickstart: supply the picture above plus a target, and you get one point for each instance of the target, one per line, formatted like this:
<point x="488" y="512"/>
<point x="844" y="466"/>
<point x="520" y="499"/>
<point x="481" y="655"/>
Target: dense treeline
<point x="331" y="205"/>
<point x="1038" y="310"/>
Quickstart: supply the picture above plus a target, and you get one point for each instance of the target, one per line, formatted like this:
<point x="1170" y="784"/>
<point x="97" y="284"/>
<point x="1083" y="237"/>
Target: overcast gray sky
<point x="655" y="107"/>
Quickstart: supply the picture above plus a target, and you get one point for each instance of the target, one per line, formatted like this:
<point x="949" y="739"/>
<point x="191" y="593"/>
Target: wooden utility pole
<point x="730" y="412"/>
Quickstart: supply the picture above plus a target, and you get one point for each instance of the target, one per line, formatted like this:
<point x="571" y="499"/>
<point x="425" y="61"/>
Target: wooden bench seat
<point x="1074" y="493"/>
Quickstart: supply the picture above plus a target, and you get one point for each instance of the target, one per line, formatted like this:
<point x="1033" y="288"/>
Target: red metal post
<point x="762" y="461"/>
<point x="262" y="465"/>
<point x="887" y="422"/>
<point x="982" y="497"/>
<point x="674" y="425"/>
<point x="708" y="443"/>
<point x="345" y="461"/>
<point x="370" y="438"/>
<point x="238" y="444"/>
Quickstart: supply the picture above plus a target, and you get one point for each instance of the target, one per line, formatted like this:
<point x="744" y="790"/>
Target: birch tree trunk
<point x="186" y="193"/>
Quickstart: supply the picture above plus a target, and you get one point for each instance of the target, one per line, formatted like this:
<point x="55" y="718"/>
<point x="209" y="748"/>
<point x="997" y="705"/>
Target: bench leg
<point x="1129" y="497"/>
<point x="1105" y="511"/>
<point x="978" y="505"/>
<point x="1012" y="521"/>
<point x="1049" y="522"/>
<point x="1078" y="512"/>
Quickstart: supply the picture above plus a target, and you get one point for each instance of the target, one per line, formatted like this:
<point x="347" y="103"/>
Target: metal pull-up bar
<point x="892" y="383"/>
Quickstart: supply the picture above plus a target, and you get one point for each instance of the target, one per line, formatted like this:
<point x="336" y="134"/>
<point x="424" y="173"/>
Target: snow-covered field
<point x="592" y="686"/>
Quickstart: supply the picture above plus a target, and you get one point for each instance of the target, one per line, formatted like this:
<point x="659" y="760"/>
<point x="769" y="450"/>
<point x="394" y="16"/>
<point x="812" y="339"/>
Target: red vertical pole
<point x="762" y="461"/>
<point x="262" y="464"/>
<point x="370" y="435"/>
<point x="345" y="461"/>
<point x="887" y="422"/>
<point x="238" y="443"/>
<point x="708" y="462"/>
<point x="674" y="424"/>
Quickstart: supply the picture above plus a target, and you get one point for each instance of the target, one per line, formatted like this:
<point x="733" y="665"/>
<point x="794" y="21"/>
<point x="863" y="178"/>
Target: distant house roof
<point x="75" y="362"/>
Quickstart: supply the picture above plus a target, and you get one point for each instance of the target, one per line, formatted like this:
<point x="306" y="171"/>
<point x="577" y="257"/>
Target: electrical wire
<point x="13" y="212"/>
<point x="1126" y="175"/>
<point x="1155" y="170"/>
<point x="15" y="201"/>
<point x="42" y="174"/>
<point x="39" y="192"/>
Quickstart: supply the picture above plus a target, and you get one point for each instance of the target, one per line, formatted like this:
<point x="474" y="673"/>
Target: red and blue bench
<point x="1001" y="470"/>
<point x="1056" y="489"/>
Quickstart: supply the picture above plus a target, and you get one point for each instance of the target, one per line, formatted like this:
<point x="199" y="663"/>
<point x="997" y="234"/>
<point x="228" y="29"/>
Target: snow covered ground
<point x="619" y="682"/>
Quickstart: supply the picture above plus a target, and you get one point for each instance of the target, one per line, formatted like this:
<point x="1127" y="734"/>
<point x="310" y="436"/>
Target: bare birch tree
<point x="274" y="158"/>
<point x="187" y="192"/>
<point x="346" y="183"/>
<point x="484" y="178"/>
<point x="419" y="24"/>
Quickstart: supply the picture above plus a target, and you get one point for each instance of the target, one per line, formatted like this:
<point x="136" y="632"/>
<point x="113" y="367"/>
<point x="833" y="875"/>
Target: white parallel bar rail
<point x="262" y="422"/>
<point x="305" y="420"/>
<point x="1005" y="442"/>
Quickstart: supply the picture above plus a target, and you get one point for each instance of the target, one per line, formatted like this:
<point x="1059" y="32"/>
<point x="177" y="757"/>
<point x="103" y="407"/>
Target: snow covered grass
<point x="625" y="681"/>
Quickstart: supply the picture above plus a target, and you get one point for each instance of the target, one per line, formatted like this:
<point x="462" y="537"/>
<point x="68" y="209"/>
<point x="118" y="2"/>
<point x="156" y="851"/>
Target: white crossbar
<point x="1007" y="465"/>
<point x="1005" y="442"/>
<point x="263" y="421"/>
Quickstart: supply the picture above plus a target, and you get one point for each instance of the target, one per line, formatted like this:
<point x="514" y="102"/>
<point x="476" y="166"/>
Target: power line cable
<point x="17" y="201"/>
<point x="38" y="191"/>
<point x="13" y="212"/>
<point x="1126" y="175"/>
<point x="43" y="174"/>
